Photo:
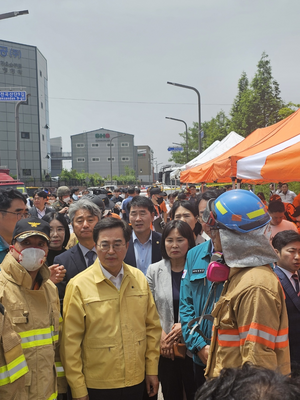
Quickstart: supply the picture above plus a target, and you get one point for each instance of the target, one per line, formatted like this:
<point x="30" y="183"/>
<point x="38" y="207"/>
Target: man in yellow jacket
<point x="111" y="330"/>
<point x="32" y="304"/>
<point x="250" y="318"/>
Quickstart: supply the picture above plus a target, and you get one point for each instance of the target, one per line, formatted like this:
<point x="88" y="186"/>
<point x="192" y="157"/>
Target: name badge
<point x="198" y="271"/>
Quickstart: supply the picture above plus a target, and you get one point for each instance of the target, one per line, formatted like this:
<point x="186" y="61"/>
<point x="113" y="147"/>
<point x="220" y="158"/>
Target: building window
<point x="95" y="144"/>
<point x="110" y="144"/>
<point x="80" y="159"/>
<point x="79" y="145"/>
<point x="26" y="172"/>
<point x="41" y="73"/>
<point x="125" y="144"/>
<point x="25" y="135"/>
<point x="42" y="105"/>
<point x="95" y="159"/>
<point x="125" y="158"/>
<point x="43" y="137"/>
<point x="112" y="159"/>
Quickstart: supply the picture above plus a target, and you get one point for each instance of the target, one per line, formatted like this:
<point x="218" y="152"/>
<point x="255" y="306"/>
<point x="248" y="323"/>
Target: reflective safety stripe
<point x="221" y="208"/>
<point x="256" y="213"/>
<point x="13" y="371"/>
<point x="59" y="369"/>
<point x="53" y="396"/>
<point x="38" y="337"/>
<point x="254" y="332"/>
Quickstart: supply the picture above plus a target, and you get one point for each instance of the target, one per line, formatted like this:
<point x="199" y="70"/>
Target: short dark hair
<point x="137" y="191"/>
<point x="61" y="218"/>
<point x="184" y="230"/>
<point x="110" y="223"/>
<point x="7" y="196"/>
<point x="192" y="186"/>
<point x="285" y="184"/>
<point x="141" y="201"/>
<point x="40" y="193"/>
<point x="74" y="190"/>
<point x="192" y="208"/>
<point x="283" y="238"/>
<point x="209" y="194"/>
<point x="131" y="190"/>
<point x="250" y="382"/>
<point x="276" y="206"/>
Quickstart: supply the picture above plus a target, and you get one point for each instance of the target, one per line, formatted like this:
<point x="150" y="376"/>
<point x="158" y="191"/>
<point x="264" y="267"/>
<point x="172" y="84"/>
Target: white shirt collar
<point x="116" y="280"/>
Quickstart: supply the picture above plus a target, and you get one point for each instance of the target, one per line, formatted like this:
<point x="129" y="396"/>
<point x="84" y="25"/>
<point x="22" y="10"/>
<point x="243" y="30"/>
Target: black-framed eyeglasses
<point x="107" y="246"/>
<point x="18" y="214"/>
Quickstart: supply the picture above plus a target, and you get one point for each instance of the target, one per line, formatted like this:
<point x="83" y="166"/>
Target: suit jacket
<point x="74" y="262"/>
<point x="33" y="212"/>
<point x="156" y="252"/>
<point x="293" y="308"/>
<point x="160" y="282"/>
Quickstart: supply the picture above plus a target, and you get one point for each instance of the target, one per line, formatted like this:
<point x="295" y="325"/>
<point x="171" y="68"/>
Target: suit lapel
<point x="156" y="252"/>
<point x="130" y="256"/>
<point x="78" y="259"/>
<point x="288" y="288"/>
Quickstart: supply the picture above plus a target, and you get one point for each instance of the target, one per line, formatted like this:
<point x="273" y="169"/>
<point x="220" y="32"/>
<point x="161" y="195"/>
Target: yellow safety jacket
<point x="110" y="337"/>
<point x="13" y="365"/>
<point x="35" y="316"/>
<point x="250" y="323"/>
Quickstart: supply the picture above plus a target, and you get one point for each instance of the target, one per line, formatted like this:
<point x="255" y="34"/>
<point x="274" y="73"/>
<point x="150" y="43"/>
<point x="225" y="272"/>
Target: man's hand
<point x="64" y="210"/>
<point x="57" y="273"/>
<point x="152" y="384"/>
<point x="203" y="354"/>
<point x="174" y="335"/>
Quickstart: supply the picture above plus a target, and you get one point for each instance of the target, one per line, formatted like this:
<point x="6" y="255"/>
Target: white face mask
<point x="51" y="201"/>
<point x="122" y="195"/>
<point x="31" y="258"/>
<point x="66" y="200"/>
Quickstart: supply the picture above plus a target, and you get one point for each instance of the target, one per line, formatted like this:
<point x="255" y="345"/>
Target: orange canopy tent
<point x="224" y="167"/>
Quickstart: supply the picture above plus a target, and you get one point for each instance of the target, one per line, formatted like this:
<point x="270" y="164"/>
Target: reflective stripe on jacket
<point x="250" y="323"/>
<point x="35" y="317"/>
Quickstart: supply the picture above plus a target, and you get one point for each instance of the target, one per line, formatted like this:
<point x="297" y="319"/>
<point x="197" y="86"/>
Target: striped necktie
<point x="296" y="279"/>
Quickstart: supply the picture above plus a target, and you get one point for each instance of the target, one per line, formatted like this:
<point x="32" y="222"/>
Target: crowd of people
<point x="107" y="295"/>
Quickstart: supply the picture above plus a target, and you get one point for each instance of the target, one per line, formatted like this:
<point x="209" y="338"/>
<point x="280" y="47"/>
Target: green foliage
<point x="287" y="110"/>
<point x="215" y="129"/>
<point x="182" y="157"/>
<point x="84" y="177"/>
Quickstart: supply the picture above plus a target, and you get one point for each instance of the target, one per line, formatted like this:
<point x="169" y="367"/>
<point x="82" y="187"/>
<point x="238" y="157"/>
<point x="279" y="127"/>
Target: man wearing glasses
<point x="111" y="331"/>
<point x="12" y="209"/>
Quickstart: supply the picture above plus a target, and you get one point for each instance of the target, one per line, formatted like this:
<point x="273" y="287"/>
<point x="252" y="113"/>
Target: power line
<point x="137" y="102"/>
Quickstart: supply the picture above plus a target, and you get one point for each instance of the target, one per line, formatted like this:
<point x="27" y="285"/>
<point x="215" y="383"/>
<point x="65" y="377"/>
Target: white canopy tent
<point x="214" y="150"/>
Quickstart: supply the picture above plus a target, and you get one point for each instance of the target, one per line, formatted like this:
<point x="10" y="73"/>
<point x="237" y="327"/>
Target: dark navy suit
<point x="156" y="252"/>
<point x="293" y="309"/>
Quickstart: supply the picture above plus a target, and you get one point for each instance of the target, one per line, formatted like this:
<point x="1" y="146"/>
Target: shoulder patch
<point x="184" y="274"/>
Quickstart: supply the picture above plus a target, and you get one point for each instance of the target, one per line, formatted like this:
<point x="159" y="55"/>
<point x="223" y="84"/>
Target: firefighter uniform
<point x="35" y="317"/>
<point x="13" y="365"/>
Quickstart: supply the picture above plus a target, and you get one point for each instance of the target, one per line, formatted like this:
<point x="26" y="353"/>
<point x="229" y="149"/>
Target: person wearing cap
<point x="39" y="208"/>
<point x="32" y="303"/>
<point x="12" y="209"/>
<point x="84" y="214"/>
<point x="157" y="200"/>
<point x="250" y="317"/>
<point x="117" y="200"/>
<point x="61" y="205"/>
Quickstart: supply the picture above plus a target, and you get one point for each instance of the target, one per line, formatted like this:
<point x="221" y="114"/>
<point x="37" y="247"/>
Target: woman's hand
<point x="57" y="273"/>
<point x="174" y="335"/>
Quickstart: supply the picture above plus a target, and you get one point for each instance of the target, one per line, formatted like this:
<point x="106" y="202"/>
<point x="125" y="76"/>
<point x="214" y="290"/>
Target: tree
<point x="288" y="109"/>
<point x="256" y="105"/>
<point x="215" y="129"/>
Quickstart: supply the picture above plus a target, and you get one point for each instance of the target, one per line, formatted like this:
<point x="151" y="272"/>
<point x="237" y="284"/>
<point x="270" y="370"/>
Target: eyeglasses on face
<point x="19" y="215"/>
<point x="104" y="246"/>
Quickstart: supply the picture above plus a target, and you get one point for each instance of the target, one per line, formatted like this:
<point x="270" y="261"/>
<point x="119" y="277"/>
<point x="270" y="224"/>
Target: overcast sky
<point x="109" y="61"/>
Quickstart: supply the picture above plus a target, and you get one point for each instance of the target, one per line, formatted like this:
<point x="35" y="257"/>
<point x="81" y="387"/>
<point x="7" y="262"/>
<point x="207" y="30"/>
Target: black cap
<point x="94" y="198"/>
<point x="31" y="227"/>
<point x="155" y="190"/>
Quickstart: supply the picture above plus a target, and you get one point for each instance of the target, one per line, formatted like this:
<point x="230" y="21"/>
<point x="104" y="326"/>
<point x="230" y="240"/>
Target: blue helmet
<point x="238" y="210"/>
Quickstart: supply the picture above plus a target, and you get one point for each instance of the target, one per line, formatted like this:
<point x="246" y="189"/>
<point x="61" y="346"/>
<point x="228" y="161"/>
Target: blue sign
<point x="175" y="148"/>
<point x="13" y="96"/>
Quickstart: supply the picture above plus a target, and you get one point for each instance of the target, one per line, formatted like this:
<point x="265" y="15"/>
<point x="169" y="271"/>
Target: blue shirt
<point x="125" y="208"/>
<point x="143" y="253"/>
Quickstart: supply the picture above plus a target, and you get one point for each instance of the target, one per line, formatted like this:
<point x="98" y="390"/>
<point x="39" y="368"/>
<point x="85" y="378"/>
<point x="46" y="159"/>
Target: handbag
<point x="179" y="350"/>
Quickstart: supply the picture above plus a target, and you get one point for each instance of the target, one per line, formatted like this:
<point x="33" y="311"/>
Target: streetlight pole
<point x="13" y="14"/>
<point x="186" y="136"/>
<point x="199" y="111"/>
<point x="110" y="151"/>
